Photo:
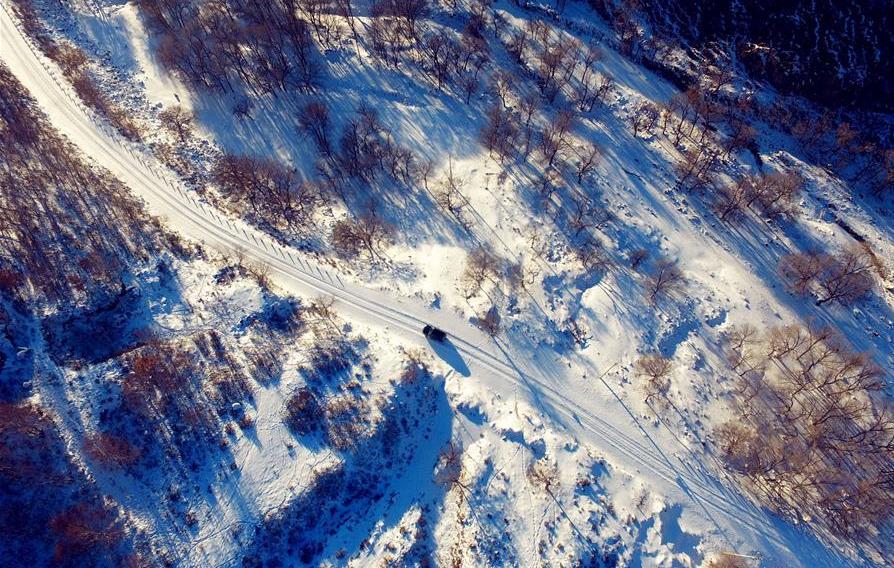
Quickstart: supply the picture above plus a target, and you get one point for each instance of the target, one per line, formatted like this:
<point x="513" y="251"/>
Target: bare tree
<point x="369" y="233"/>
<point x="499" y="132"/>
<point x="424" y="170"/>
<point x="502" y="84"/>
<point x="490" y="322"/>
<point x="322" y="317"/>
<point x="644" y="118"/>
<point x="847" y="276"/>
<point x="731" y="199"/>
<point x="800" y="270"/>
<point x="528" y="108"/>
<point x="554" y="138"/>
<point x="587" y="159"/>
<point x="177" y="120"/>
<point x="665" y="279"/>
<point x="655" y="371"/>
<point x="592" y="254"/>
<point x="313" y="120"/>
<point x="469" y="84"/>
<point x="449" y="192"/>
<point x="586" y="215"/>
<point x="578" y="332"/>
<point x="481" y="266"/>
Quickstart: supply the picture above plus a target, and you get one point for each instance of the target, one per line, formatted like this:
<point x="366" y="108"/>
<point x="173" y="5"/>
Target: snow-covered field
<point x="562" y="462"/>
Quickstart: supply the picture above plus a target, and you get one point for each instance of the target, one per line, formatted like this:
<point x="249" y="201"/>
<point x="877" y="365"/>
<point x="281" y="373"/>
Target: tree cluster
<point x="223" y="45"/>
<point x="812" y="431"/>
<point x="273" y="193"/>
<point x="771" y="195"/>
<point x="843" y="277"/>
<point x="50" y="512"/>
<point x="66" y="228"/>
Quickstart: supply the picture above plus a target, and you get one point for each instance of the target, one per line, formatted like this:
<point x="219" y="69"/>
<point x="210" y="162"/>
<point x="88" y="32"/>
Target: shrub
<point x="304" y="414"/>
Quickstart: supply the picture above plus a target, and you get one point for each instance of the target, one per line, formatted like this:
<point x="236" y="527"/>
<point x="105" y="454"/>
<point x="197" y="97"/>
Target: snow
<point x="162" y="87"/>
<point x="513" y="400"/>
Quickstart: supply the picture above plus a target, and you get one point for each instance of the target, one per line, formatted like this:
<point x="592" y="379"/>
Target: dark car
<point x="434" y="333"/>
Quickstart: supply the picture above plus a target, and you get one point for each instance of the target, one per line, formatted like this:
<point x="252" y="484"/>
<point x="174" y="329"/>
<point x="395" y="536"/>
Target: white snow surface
<point x="575" y="404"/>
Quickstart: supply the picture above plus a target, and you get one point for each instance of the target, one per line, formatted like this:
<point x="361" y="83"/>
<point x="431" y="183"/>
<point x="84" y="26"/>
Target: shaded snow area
<point x="256" y="395"/>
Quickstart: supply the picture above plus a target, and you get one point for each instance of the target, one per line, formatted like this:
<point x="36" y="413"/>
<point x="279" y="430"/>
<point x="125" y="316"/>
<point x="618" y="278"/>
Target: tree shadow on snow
<point x="386" y="476"/>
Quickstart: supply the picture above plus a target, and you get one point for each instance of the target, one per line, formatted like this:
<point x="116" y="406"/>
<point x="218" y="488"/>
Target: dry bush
<point x="161" y="390"/>
<point x="323" y="319"/>
<point x="74" y="64"/>
<point x="227" y="386"/>
<point x="449" y="469"/>
<point x="813" y="433"/>
<point x="416" y="365"/>
<point x="724" y="560"/>
<point x="304" y="413"/>
<point x="84" y="528"/>
<point x="637" y="257"/>
<point x="347" y="421"/>
<point x="543" y="474"/>
<point x="111" y="450"/>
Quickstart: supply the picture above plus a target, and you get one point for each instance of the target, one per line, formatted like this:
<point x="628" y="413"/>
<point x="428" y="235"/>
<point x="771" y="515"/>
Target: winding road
<point x="611" y="428"/>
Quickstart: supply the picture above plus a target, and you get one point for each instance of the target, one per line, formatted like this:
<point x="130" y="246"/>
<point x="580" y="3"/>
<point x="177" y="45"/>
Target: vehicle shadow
<point x="448" y="352"/>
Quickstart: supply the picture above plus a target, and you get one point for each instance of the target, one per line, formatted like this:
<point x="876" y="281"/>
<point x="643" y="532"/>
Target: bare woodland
<point x="96" y="226"/>
<point x="813" y="434"/>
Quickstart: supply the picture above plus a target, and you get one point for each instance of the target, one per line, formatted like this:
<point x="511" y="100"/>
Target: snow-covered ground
<point x="609" y="479"/>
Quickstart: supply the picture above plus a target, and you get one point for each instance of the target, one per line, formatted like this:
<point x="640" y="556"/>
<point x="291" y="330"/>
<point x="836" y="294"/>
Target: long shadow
<point x="370" y="491"/>
<point x="450" y="355"/>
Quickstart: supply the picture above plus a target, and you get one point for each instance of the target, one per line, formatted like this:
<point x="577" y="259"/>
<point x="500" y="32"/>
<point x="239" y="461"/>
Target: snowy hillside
<point x="666" y="290"/>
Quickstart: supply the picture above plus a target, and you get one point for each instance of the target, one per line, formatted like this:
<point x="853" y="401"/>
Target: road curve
<point x="611" y="430"/>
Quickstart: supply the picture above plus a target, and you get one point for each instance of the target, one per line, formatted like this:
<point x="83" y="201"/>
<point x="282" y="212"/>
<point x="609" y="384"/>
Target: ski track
<point x="294" y="271"/>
